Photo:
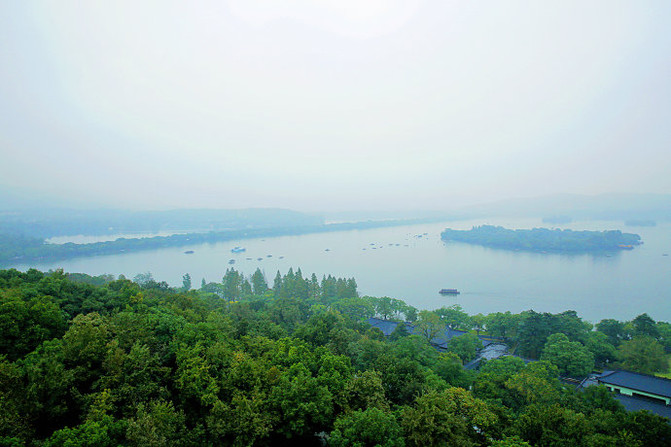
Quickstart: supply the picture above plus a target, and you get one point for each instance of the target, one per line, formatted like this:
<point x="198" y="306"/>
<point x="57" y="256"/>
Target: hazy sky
<point x="345" y="104"/>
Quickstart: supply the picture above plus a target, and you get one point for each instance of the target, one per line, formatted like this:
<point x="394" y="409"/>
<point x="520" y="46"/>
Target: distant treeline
<point x="21" y="249"/>
<point x="543" y="239"/>
<point x="62" y="222"/>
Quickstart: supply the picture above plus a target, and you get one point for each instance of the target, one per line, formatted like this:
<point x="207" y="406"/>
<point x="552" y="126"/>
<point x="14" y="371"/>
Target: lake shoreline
<point x="57" y="252"/>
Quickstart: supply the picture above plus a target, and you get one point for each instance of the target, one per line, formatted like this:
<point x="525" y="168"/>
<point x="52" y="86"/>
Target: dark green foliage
<point x="400" y="331"/>
<point x="387" y="308"/>
<point x="642" y="354"/>
<point x="365" y="390"/>
<point x="355" y="308"/>
<point x="644" y="325"/>
<point x="417" y="349"/>
<point x="449" y="418"/>
<point x="259" y="283"/>
<point x="502" y="324"/>
<point x="364" y="428"/>
<point x="542" y="239"/>
<point x="552" y="425"/>
<point x="601" y="348"/>
<point x="429" y="325"/>
<point x="664" y="330"/>
<point x="614" y="330"/>
<point x="26" y="321"/>
<point x="118" y="363"/>
<point x="449" y="368"/>
<point x="505" y="366"/>
<point x="570" y="357"/>
<point x="535" y="328"/>
<point x="465" y="346"/>
<point x="454" y="317"/>
<point x="599" y="398"/>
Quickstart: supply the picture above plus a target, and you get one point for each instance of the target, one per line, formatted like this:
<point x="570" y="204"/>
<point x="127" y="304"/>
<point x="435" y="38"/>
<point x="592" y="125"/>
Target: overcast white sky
<point x="343" y="104"/>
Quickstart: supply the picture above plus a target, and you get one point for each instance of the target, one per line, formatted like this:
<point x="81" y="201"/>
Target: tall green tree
<point x="429" y="324"/>
<point x="465" y="346"/>
<point x="570" y="357"/>
<point x="277" y="284"/>
<point x="454" y="317"/>
<point x="552" y="425"/>
<point x="604" y="352"/>
<point x="449" y="418"/>
<point x="502" y="324"/>
<point x="478" y="323"/>
<point x="645" y="325"/>
<point x="613" y="329"/>
<point x="186" y="281"/>
<point x="232" y="282"/>
<point x="259" y="283"/>
<point x="305" y="407"/>
<point x="643" y="354"/>
<point x="369" y="427"/>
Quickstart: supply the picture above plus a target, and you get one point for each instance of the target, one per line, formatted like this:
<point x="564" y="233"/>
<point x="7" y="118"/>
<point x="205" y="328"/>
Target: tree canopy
<point x="112" y="362"/>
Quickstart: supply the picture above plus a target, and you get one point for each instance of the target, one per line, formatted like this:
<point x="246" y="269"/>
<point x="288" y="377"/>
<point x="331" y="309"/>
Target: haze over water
<point x="397" y="262"/>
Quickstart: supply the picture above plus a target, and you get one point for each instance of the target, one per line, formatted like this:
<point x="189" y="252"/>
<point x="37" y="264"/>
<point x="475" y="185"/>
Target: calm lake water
<point x="412" y="263"/>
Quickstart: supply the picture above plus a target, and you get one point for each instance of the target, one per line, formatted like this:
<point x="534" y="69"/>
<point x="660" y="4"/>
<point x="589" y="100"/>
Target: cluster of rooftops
<point x="492" y="347"/>
<point x="636" y="391"/>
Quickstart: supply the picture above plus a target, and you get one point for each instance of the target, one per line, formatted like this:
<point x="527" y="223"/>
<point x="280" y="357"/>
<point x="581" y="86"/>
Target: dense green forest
<point x="543" y="239"/>
<point x="103" y="361"/>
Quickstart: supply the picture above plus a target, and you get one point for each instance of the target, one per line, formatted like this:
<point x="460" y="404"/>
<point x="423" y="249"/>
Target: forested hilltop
<point x="106" y="362"/>
<point x="543" y="239"/>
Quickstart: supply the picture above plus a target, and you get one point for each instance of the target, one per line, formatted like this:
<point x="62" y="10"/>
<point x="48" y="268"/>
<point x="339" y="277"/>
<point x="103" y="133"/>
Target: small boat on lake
<point x="188" y="252"/>
<point x="449" y="292"/>
<point x="231" y="261"/>
<point x="238" y="249"/>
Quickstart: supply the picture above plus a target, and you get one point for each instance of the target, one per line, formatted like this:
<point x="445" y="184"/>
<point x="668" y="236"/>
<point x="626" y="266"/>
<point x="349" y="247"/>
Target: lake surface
<point x="412" y="263"/>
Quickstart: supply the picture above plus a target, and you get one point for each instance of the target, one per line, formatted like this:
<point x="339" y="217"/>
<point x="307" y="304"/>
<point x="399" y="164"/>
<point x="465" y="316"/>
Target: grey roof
<point x="637" y="381"/>
<point x="445" y="336"/>
<point x="440" y="341"/>
<point x="493" y="351"/>
<point x="635" y="404"/>
<point x="387" y="327"/>
<point x="473" y="364"/>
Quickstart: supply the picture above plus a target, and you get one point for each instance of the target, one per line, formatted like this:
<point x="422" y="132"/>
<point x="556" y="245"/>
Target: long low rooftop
<point x="637" y="381"/>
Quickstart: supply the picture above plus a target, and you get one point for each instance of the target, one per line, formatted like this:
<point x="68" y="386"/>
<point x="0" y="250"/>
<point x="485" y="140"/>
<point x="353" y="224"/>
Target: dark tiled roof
<point x="387" y="327"/>
<point x="473" y="364"/>
<point x="637" y="381"/>
<point x="635" y="404"/>
<point x="440" y="341"/>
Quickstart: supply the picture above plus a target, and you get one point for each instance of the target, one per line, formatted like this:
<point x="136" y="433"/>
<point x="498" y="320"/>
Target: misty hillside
<point x="58" y="221"/>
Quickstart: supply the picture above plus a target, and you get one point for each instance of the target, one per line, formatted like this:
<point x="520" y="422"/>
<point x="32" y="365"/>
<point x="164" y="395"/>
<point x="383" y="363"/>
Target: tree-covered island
<point x="545" y="240"/>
